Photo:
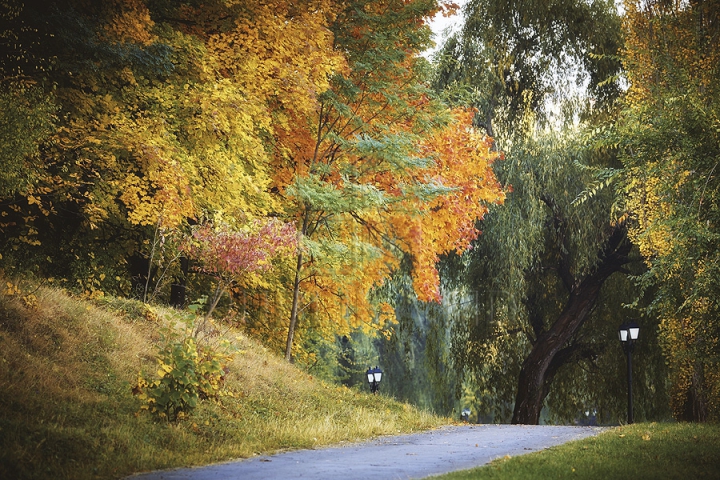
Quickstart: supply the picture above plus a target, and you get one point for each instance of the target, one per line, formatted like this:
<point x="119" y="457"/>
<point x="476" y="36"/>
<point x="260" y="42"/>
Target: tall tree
<point x="316" y="112"/>
<point x="547" y="259"/>
<point x="27" y="114"/>
<point x="161" y="121"/>
<point x="378" y="169"/>
<point x="518" y="55"/>
<point x="669" y="131"/>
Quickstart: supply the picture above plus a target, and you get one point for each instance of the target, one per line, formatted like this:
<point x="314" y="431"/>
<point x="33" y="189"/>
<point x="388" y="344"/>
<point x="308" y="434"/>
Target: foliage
<point x="316" y="113"/>
<point x="534" y="258"/>
<point x="377" y="170"/>
<point x="149" y="129"/>
<point x="414" y="351"/>
<point x="186" y="373"/>
<point x="535" y="318"/>
<point x="26" y="121"/>
<point x="190" y="367"/>
<point x="669" y="136"/>
<point x="514" y="56"/>
<point x="228" y="255"/>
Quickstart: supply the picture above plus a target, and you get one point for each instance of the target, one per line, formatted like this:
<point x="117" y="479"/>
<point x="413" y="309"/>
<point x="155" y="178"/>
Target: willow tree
<point x="543" y="261"/>
<point x="511" y="57"/>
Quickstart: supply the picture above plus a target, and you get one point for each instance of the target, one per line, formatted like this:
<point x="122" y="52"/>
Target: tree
<point x="313" y="112"/>
<point x="543" y="261"/>
<point x="541" y="277"/>
<point x="27" y="114"/>
<point x="160" y="121"/>
<point x="229" y="255"/>
<point x="669" y="136"/>
<point x="378" y="169"/>
<point x="515" y="56"/>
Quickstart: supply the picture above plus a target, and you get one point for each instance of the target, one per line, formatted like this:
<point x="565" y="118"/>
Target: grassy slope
<point x="635" y="452"/>
<point x="66" y="408"/>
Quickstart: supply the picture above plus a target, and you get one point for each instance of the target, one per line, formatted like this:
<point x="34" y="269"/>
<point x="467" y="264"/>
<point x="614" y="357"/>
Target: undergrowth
<point x="67" y="370"/>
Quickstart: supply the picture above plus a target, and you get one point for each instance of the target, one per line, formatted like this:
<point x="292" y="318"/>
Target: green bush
<point x="187" y="372"/>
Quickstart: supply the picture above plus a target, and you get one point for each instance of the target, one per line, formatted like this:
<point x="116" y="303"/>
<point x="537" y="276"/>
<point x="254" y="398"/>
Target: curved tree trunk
<point x="545" y="357"/>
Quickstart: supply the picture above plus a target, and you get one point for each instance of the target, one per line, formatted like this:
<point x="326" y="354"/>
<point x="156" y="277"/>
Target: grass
<point x="66" y="408"/>
<point x="640" y="451"/>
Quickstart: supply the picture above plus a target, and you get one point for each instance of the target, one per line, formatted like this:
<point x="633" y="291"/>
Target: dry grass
<point x="66" y="369"/>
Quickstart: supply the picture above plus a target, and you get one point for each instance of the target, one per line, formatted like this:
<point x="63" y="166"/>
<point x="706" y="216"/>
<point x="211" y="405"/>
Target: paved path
<point x="407" y="456"/>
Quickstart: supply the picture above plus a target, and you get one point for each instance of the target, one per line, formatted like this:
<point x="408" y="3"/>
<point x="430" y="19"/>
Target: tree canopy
<point x="151" y="117"/>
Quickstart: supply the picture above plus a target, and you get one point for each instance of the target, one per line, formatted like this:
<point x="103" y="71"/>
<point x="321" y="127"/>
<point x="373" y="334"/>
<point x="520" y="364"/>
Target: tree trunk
<point x="296" y="286"/>
<point x="532" y="388"/>
<point x="536" y="372"/>
<point x="294" y="310"/>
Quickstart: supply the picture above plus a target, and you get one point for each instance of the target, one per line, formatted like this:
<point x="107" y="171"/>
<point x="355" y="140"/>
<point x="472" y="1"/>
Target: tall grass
<point x="67" y="410"/>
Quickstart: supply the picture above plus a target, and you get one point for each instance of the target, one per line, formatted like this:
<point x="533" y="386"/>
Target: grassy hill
<point x="67" y="366"/>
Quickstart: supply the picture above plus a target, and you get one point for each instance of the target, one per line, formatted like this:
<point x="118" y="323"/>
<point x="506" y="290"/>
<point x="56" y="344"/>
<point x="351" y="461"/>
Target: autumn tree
<point x="313" y="112"/>
<point x="154" y="128"/>
<point x="377" y="170"/>
<point x="27" y="114"/>
<point x="670" y="138"/>
<point x="228" y="255"/>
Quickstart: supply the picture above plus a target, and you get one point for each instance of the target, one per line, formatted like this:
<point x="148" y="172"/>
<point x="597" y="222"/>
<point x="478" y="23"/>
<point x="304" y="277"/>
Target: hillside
<point x="67" y="367"/>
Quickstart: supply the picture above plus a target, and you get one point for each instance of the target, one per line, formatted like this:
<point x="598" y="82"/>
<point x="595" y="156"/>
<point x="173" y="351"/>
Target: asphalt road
<point x="399" y="457"/>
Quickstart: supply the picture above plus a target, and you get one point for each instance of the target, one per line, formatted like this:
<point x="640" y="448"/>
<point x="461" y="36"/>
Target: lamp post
<point x="628" y="333"/>
<point x="374" y="376"/>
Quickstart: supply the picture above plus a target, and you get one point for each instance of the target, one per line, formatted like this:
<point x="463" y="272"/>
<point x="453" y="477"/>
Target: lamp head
<point x="629" y="332"/>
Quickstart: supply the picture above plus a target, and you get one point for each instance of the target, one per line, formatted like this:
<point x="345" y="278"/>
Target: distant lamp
<point x="374" y="376"/>
<point x="628" y="334"/>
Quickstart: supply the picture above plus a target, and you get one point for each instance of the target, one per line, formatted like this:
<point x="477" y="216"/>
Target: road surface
<point x="399" y="457"/>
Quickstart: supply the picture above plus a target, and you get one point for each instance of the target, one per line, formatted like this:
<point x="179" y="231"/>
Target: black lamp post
<point x="374" y="376"/>
<point x="628" y="334"/>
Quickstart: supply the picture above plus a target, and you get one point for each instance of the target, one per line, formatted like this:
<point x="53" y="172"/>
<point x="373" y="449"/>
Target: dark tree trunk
<point x="178" y="288"/>
<point x="551" y="347"/>
<point x="694" y="408"/>
<point x="294" y="309"/>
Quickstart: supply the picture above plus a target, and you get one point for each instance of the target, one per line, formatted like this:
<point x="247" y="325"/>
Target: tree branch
<point x="560" y="227"/>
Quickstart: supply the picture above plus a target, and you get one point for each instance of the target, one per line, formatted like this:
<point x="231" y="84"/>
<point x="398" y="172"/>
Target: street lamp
<point x="374" y="376"/>
<point x="628" y="333"/>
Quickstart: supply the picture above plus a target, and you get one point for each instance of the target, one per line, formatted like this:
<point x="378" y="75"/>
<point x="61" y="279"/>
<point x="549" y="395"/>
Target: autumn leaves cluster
<point x="240" y="115"/>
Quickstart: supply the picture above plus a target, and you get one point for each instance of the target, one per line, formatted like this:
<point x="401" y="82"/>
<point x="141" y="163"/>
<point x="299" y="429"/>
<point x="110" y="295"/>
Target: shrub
<point x="187" y="372"/>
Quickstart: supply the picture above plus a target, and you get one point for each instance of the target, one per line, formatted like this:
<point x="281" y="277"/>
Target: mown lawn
<point x="640" y="451"/>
